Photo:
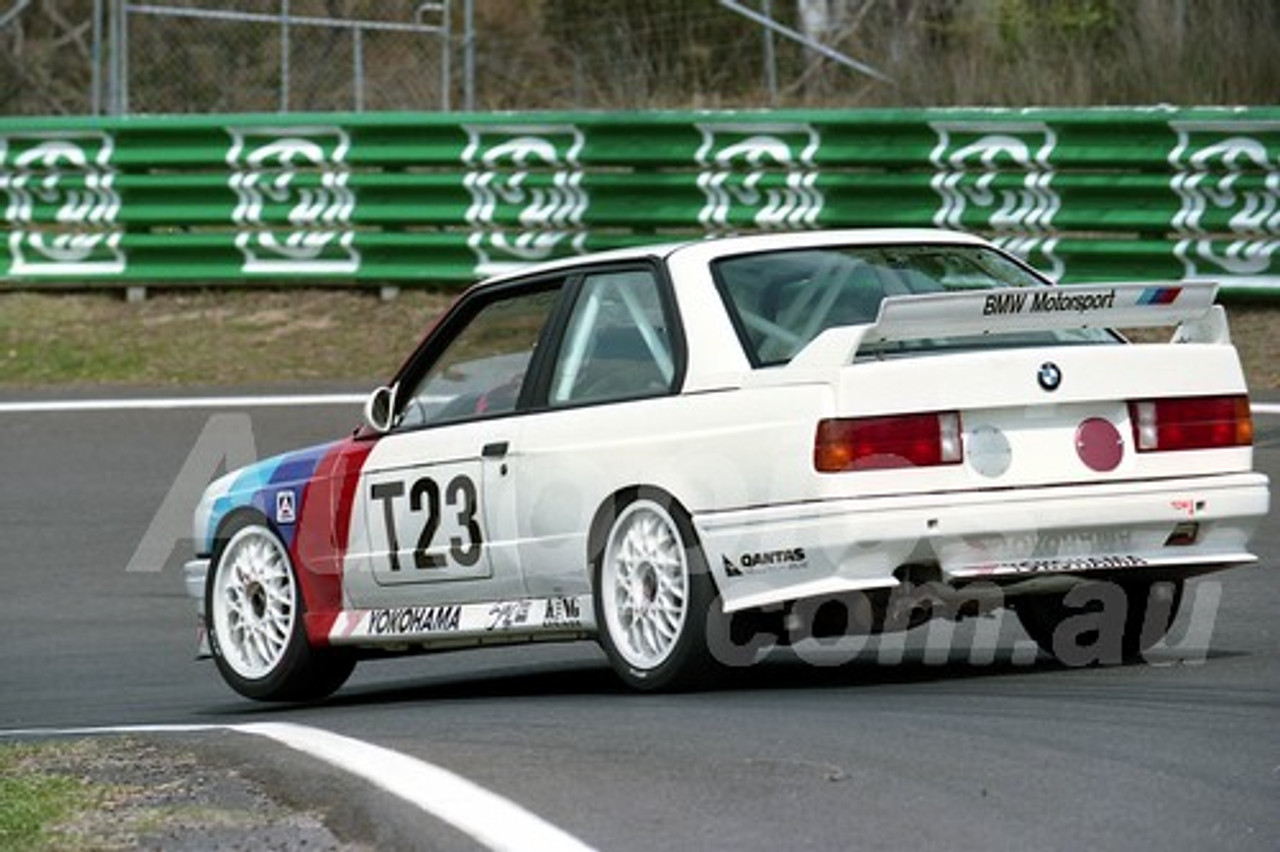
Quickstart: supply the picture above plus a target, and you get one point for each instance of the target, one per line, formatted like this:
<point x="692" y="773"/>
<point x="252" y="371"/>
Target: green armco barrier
<point x="1157" y="193"/>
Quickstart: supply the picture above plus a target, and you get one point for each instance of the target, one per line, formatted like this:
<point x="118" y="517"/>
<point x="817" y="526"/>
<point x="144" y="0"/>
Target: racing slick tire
<point x="654" y="595"/>
<point x="1148" y="608"/>
<point x="254" y="612"/>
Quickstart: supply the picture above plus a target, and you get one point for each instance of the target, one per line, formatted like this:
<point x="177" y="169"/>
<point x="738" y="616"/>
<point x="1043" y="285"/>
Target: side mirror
<point x="380" y="409"/>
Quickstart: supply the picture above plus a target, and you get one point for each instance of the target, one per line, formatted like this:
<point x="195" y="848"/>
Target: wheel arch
<point x="243" y="516"/>
<point x="235" y="520"/>
<point x="607" y="511"/>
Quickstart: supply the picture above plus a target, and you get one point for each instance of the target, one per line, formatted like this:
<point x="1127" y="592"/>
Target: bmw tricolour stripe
<point x="1159" y="295"/>
<point x="273" y="486"/>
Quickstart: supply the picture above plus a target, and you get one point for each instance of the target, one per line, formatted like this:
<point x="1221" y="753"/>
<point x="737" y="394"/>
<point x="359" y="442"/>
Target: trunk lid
<point x="1032" y="415"/>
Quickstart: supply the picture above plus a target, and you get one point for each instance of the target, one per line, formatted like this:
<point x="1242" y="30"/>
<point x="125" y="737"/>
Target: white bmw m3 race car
<point x="690" y="453"/>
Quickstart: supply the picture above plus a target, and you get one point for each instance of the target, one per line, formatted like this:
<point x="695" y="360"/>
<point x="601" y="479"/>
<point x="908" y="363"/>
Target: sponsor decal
<point x="61" y="207"/>
<point x="505" y="615"/>
<point x="562" y="612"/>
<point x="527" y="200"/>
<point x="414" y="619"/>
<point x="1159" y="295"/>
<point x="997" y="177"/>
<point x="1052" y="301"/>
<point x="286" y="505"/>
<point x="760" y="562"/>
<point x="1227" y="222"/>
<point x="758" y="175"/>
<point x="525" y="616"/>
<point x="294" y="206"/>
<point x="1055" y="565"/>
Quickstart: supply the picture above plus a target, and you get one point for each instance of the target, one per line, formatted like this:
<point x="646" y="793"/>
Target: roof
<point x="709" y="249"/>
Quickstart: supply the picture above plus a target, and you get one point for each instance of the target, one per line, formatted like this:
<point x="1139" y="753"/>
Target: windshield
<point x="781" y="300"/>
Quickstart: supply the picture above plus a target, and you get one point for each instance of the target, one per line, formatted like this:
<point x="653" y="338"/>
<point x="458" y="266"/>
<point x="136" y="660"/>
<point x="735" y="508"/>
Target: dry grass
<point x="237" y="338"/>
<point x="208" y="338"/>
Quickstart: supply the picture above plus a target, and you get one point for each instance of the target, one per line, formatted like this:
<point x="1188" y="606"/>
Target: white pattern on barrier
<point x="62" y="206"/>
<point x="515" y="218"/>
<point x="741" y="166"/>
<point x="971" y="156"/>
<point x="285" y="227"/>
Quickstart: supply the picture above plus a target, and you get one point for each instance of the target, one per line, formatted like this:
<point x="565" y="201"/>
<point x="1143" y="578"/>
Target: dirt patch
<point x="127" y="793"/>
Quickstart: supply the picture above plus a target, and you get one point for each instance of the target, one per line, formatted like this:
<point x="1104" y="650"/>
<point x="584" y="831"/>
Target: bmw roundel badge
<point x="1049" y="376"/>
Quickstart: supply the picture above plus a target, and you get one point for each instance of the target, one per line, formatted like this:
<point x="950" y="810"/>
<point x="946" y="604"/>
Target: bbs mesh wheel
<point x="254" y="612"/>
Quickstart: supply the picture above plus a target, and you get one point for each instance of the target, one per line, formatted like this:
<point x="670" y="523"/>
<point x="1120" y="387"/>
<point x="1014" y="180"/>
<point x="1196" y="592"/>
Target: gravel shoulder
<point x="144" y="793"/>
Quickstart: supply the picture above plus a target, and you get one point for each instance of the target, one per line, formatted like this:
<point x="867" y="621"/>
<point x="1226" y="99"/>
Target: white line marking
<point x="179" y="403"/>
<point x="1265" y="408"/>
<point x="494" y="821"/>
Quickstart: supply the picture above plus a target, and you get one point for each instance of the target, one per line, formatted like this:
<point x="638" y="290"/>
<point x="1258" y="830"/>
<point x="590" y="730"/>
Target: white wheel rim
<point x="254" y="603"/>
<point x="645" y="583"/>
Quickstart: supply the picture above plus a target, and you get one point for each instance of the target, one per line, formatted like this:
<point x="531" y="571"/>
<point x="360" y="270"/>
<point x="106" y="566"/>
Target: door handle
<point x="495" y="450"/>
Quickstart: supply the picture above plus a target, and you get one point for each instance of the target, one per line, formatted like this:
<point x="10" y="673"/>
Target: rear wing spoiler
<point x="1186" y="304"/>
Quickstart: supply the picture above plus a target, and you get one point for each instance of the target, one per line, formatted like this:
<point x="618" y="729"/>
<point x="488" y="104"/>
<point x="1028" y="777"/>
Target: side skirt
<point x="443" y="626"/>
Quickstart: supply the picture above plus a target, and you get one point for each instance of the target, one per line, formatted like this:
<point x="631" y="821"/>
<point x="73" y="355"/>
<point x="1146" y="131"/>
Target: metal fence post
<point x="95" y="61"/>
<point x="284" y="55"/>
<point x="357" y="69"/>
<point x="469" y="55"/>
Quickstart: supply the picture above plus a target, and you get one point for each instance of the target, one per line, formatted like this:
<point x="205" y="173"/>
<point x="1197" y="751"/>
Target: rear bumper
<point x="774" y="554"/>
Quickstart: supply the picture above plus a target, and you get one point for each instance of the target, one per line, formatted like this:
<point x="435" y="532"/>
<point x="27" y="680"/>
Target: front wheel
<point x="654" y="595"/>
<point x="254" y="611"/>
<point x="1101" y="622"/>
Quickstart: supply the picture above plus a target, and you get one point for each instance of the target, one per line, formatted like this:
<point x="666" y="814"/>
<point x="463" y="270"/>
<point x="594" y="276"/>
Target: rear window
<point x="780" y="301"/>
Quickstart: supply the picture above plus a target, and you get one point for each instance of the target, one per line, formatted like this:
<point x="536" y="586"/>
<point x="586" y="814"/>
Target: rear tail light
<point x="878" y="443"/>
<point x="1191" y="423"/>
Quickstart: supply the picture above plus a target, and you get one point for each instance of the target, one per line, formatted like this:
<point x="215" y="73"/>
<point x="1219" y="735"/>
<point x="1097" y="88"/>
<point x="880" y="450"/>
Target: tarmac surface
<point x="984" y="746"/>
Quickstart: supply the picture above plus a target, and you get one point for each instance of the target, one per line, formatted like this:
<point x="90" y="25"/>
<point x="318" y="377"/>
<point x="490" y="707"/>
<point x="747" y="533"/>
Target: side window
<point x="482" y="368"/>
<point x="617" y="344"/>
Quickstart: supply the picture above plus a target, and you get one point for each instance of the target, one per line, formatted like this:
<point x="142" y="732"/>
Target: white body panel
<point x="734" y="447"/>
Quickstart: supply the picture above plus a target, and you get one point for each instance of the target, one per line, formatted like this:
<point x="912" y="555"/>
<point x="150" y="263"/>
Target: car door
<point x="603" y="395"/>
<point x="435" y="505"/>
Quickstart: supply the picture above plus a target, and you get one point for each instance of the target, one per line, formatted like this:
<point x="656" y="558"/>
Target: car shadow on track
<point x="780" y="672"/>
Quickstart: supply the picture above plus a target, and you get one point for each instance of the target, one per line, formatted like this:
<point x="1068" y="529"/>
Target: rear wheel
<point x="254" y="611"/>
<point x="653" y="594"/>
<point x="1099" y="621"/>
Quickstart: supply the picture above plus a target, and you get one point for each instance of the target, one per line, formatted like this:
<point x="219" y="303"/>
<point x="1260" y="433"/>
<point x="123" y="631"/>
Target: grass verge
<point x="255" y="337"/>
<point x="222" y="338"/>
<point x="31" y="801"/>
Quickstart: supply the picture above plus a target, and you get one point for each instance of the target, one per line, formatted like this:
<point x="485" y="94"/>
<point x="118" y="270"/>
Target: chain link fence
<point x="97" y="57"/>
<point x="303" y="55"/>
<point x="199" y="56"/>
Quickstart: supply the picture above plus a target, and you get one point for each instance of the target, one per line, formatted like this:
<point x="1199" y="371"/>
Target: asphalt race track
<point x="899" y="747"/>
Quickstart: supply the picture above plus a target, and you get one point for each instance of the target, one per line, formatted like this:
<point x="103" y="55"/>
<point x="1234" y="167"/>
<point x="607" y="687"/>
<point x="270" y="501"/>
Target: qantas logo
<point x="759" y="562"/>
